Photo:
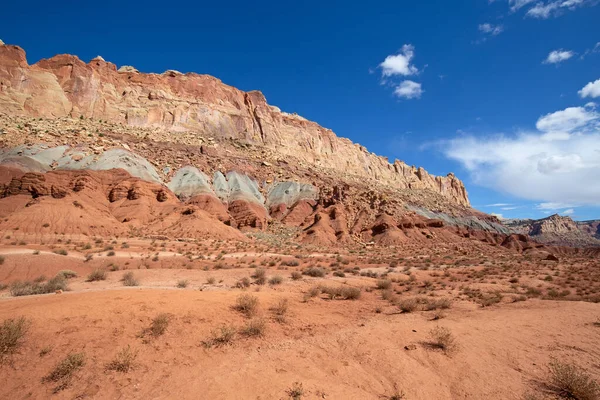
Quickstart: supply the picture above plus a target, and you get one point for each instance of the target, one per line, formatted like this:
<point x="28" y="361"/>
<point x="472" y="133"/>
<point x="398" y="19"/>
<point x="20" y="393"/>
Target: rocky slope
<point x="557" y="230"/>
<point x="65" y="86"/>
<point x="186" y="155"/>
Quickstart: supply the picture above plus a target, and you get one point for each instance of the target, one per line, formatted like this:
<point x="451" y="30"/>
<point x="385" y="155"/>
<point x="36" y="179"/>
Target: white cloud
<point x="508" y="208"/>
<point x="558" y="163"/>
<point x="592" y="89"/>
<point x="517" y="4"/>
<point x="544" y="10"/>
<point x="570" y="211"/>
<point x="491" y="29"/>
<point x="560" y="123"/>
<point x="499" y="205"/>
<point x="409" y="90"/>
<point x="558" y="56"/>
<point x="499" y="216"/>
<point x="553" y="206"/>
<point x="400" y="64"/>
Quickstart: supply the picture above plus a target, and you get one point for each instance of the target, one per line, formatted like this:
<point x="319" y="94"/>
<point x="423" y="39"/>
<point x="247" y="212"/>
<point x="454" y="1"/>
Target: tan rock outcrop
<point x="66" y="86"/>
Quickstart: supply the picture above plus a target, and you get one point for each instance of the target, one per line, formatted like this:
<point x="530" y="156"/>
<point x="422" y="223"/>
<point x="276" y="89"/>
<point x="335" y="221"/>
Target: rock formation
<point x="65" y="86"/>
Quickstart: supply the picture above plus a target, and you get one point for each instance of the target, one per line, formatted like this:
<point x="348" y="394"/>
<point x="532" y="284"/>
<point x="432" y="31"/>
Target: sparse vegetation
<point x="384" y="284"/>
<point x="129" y="279"/>
<point x="296" y="391"/>
<point x="296" y="276"/>
<point x="280" y="310"/>
<point x="276" y="280"/>
<point x="315" y="272"/>
<point x="124" y="360"/>
<point x="67" y="274"/>
<point x="182" y="284"/>
<point x="12" y="335"/>
<point x="96" y="275"/>
<point x="64" y="370"/>
<point x="259" y="276"/>
<point x="159" y="325"/>
<point x="441" y="338"/>
<point x="571" y="382"/>
<point x="254" y="327"/>
<point x="342" y="292"/>
<point x="407" y="305"/>
<point x="32" y="288"/>
<point x="247" y="304"/>
<point x="221" y="337"/>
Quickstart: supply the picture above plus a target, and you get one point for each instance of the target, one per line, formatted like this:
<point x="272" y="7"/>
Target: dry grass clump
<point x="441" y="338"/>
<point x="571" y="382"/>
<point x="384" y="284"/>
<point x="408" y="305"/>
<point x="158" y="326"/>
<point x="129" y="279"/>
<point x="342" y="292"/>
<point x="254" y="328"/>
<point x="67" y="274"/>
<point x="243" y="283"/>
<point x="296" y="391"/>
<point x="280" y="310"/>
<point x="64" y="370"/>
<point x="437" y="304"/>
<point x="259" y="276"/>
<point x="12" y="334"/>
<point x="246" y="304"/>
<point x="315" y="272"/>
<point x="97" y="275"/>
<point x="221" y="337"/>
<point x="296" y="276"/>
<point x="312" y="292"/>
<point x="32" y="288"/>
<point x="123" y="361"/>
<point x="183" y="283"/>
<point x="276" y="280"/>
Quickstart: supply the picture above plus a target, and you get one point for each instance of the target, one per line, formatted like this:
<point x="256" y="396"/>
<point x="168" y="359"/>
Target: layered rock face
<point x="558" y="230"/>
<point x="66" y="86"/>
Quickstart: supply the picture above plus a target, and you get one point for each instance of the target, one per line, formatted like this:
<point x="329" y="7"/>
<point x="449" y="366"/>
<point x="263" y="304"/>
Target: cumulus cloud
<point x="558" y="56"/>
<point x="558" y="163"/>
<point x="544" y="9"/>
<point x="570" y="211"/>
<point x="491" y="29"/>
<point x="592" y="89"/>
<point x="400" y="64"/>
<point x="409" y="90"/>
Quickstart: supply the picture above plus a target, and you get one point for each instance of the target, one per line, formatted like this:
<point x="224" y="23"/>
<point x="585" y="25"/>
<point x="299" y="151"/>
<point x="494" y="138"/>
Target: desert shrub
<point x="61" y="252"/>
<point x="260" y="276"/>
<point x="312" y="292"/>
<point x="64" y="370"/>
<point x="32" y="288"/>
<point x="183" y="283"/>
<point x="211" y="280"/>
<point x="296" y="276"/>
<point x="571" y="382"/>
<point x="254" y="327"/>
<point x="342" y="292"/>
<point x="159" y="325"/>
<point x="408" y="305"/>
<point x="110" y="253"/>
<point x="123" y="361"/>
<point x="276" y="280"/>
<point x="384" y="284"/>
<point x="296" y="391"/>
<point x="12" y="334"/>
<point x="221" y="337"/>
<point x="67" y="274"/>
<point x="280" y="310"/>
<point x="2" y="259"/>
<point x="387" y="294"/>
<point x="315" y="272"/>
<point x="97" y="275"/>
<point x="490" y="299"/>
<point x="441" y="338"/>
<point x="129" y="279"/>
<point x="246" y="304"/>
<point x="339" y="274"/>
<point x="39" y="279"/>
<point x="243" y="283"/>
<point x="290" y="263"/>
<point x="435" y="304"/>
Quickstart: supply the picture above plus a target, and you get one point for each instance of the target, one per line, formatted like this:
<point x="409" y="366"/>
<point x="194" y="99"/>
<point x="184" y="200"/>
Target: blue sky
<point x="491" y="90"/>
